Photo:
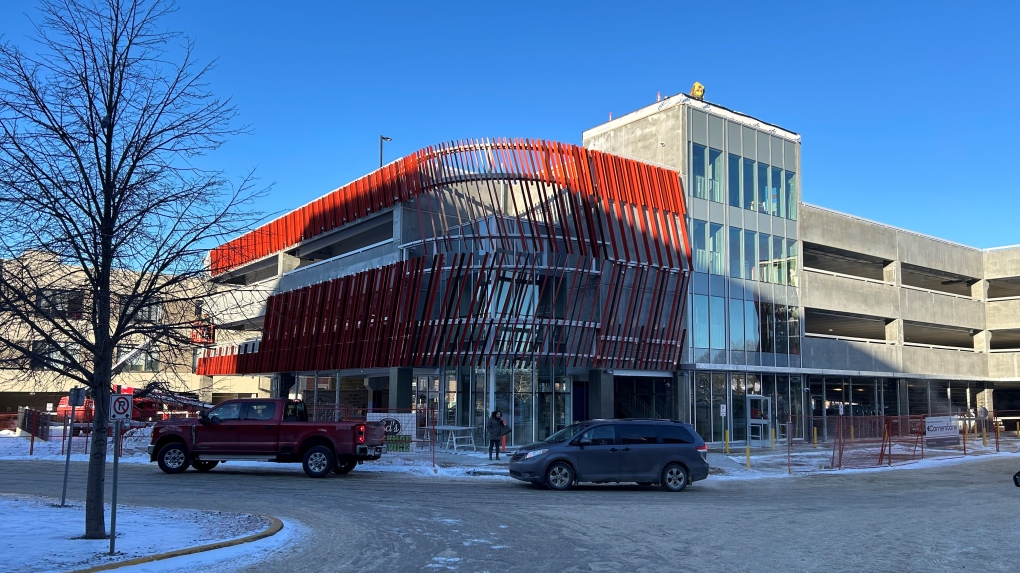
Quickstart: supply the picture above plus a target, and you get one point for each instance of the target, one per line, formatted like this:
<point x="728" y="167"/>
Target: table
<point x="458" y="437"/>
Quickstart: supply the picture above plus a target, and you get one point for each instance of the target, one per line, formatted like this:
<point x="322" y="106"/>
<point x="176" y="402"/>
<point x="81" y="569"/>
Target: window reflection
<point x="700" y="244"/>
<point x="748" y="185"/>
<point x="777" y="206"/>
<point x="698" y="171"/>
<point x="715" y="245"/>
<point x="734" y="180"/>
<point x="715" y="175"/>
<point x="736" y="265"/>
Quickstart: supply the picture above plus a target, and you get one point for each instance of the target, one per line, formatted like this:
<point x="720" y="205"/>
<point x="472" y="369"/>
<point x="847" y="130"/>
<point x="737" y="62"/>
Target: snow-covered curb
<point x="49" y="537"/>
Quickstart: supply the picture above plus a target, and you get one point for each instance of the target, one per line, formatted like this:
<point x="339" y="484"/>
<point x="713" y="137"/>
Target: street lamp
<point x="382" y="138"/>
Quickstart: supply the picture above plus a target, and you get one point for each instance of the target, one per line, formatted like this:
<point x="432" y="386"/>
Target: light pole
<point x="382" y="138"/>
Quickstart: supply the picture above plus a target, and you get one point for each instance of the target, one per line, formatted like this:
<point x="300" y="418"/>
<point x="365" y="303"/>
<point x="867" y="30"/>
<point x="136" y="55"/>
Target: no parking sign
<point x="120" y="407"/>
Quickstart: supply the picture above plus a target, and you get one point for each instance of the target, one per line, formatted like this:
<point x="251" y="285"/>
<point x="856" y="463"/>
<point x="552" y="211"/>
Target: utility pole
<point x="382" y="138"/>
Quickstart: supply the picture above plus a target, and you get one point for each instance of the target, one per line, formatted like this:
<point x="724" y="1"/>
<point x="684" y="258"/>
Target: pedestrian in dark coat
<point x="494" y="431"/>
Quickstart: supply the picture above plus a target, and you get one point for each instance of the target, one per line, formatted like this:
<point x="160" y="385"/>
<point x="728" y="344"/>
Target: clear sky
<point x="909" y="111"/>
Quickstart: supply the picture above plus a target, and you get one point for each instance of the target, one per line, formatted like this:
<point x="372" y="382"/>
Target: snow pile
<point x="55" y="533"/>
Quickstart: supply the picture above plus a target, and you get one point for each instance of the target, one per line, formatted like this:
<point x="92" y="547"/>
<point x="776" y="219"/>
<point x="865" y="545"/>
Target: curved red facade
<point x="518" y="250"/>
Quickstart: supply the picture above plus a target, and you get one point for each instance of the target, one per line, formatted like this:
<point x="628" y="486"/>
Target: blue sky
<point x="909" y="111"/>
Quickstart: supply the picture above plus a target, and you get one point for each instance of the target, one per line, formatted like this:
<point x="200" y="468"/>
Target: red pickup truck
<point x="267" y="429"/>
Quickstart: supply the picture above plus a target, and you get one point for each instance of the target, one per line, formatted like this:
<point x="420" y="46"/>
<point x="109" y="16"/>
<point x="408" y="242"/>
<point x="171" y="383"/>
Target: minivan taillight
<point x="359" y="433"/>
<point x="702" y="448"/>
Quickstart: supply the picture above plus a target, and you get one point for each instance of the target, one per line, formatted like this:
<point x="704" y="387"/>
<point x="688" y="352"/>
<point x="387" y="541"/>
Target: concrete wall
<point x="1002" y="263"/>
<point x="937" y="308"/>
<point x="849" y="233"/>
<point x="931" y="253"/>
<point x="834" y="354"/>
<point x="655" y="138"/>
<point x="1002" y="314"/>
<point x="843" y="294"/>
<point x="944" y="362"/>
<point x="1004" y="365"/>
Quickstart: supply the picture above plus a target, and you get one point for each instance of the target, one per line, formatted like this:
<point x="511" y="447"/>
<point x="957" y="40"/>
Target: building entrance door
<point x="759" y="421"/>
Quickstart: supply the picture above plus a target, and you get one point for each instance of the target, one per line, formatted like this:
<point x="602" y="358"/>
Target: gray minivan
<point x="666" y="452"/>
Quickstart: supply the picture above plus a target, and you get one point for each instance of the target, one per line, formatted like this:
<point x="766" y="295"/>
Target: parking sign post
<point x="120" y="409"/>
<point x="76" y="398"/>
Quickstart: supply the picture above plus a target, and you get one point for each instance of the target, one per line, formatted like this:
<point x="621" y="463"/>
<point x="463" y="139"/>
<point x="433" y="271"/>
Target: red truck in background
<point x="264" y="429"/>
<point x="154" y="406"/>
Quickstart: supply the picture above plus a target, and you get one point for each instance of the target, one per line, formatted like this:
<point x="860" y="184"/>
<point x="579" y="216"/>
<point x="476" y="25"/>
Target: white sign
<point x="942" y="431"/>
<point x="841" y="409"/>
<point x="722" y="410"/>
<point x="120" y="407"/>
<point x="49" y="406"/>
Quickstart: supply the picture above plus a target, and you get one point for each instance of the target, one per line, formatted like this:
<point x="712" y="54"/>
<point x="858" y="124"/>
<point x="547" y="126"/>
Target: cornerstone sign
<point x="942" y="431"/>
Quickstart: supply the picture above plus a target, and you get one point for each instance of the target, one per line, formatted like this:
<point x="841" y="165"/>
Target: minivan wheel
<point x="674" y="477"/>
<point x="559" y="476"/>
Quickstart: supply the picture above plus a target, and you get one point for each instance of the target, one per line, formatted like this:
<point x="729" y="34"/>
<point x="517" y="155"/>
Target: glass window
<point x="751" y="321"/>
<point x="715" y="175"/>
<point x="736" y="266"/>
<point x="778" y="202"/>
<point x="700" y="321"/>
<point x="791" y="195"/>
<point x="700" y="240"/>
<point x="762" y="188"/>
<point x="674" y="434"/>
<point x="764" y="260"/>
<point x="719" y="398"/>
<point x="734" y="182"/>
<point x="229" y="411"/>
<point x="698" y="186"/>
<point x="736" y="324"/>
<point x="748" y="185"/>
<point x="634" y="434"/>
<point x="750" y="259"/>
<point x="793" y="327"/>
<point x="791" y="262"/>
<point x="716" y="242"/>
<point x="601" y="436"/>
<point x="260" y="411"/>
<point x="717" y="314"/>
<point x="778" y="261"/>
<point x="782" y="339"/>
<point x="766" y="327"/>
<point x="703" y="404"/>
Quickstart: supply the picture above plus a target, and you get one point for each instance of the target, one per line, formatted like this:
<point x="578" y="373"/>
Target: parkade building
<point x="666" y="269"/>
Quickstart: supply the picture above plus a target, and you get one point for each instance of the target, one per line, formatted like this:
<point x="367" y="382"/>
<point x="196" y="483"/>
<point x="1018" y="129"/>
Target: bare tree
<point x="106" y="217"/>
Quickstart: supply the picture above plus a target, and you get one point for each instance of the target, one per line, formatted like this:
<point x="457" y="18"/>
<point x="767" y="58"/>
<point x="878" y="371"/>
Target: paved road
<point x="964" y="517"/>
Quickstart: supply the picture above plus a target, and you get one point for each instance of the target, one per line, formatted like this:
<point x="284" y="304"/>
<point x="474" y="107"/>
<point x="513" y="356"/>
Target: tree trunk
<point x="95" y="516"/>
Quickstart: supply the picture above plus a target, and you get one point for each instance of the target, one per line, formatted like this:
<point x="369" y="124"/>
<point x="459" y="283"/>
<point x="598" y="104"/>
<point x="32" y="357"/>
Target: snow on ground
<point x="49" y="536"/>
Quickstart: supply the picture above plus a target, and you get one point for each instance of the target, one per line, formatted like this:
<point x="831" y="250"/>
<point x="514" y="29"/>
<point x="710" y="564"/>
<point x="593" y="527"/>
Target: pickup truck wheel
<point x="345" y="467"/>
<point x="172" y="458"/>
<point x="204" y="465"/>
<point x="318" y="461"/>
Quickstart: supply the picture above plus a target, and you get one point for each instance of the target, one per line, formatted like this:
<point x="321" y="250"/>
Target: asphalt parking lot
<point x="961" y="517"/>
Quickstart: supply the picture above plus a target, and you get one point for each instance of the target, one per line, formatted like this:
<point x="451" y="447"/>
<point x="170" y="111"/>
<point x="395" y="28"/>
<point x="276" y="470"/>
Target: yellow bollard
<point x="984" y="435"/>
<point x="815" y="442"/>
<point x="726" y="440"/>
<point x="851" y="435"/>
<point x="1018" y="429"/>
<point x="773" y="438"/>
<point x="747" y="452"/>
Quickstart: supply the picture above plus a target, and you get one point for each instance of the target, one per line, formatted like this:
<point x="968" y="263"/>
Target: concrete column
<point x="600" y="394"/>
<point x="894" y="331"/>
<point x="979" y="290"/>
<point x="400" y="388"/>
<point x="904" y="401"/>
<point x="983" y="341"/>
<point x="288" y="263"/>
<point x="684" y="399"/>
<point x="891" y="273"/>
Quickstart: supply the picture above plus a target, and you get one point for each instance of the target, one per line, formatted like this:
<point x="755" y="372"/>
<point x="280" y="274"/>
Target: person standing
<point x="494" y="431"/>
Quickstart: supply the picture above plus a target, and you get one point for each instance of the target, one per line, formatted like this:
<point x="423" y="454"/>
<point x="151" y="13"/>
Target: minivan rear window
<point x="675" y="434"/>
